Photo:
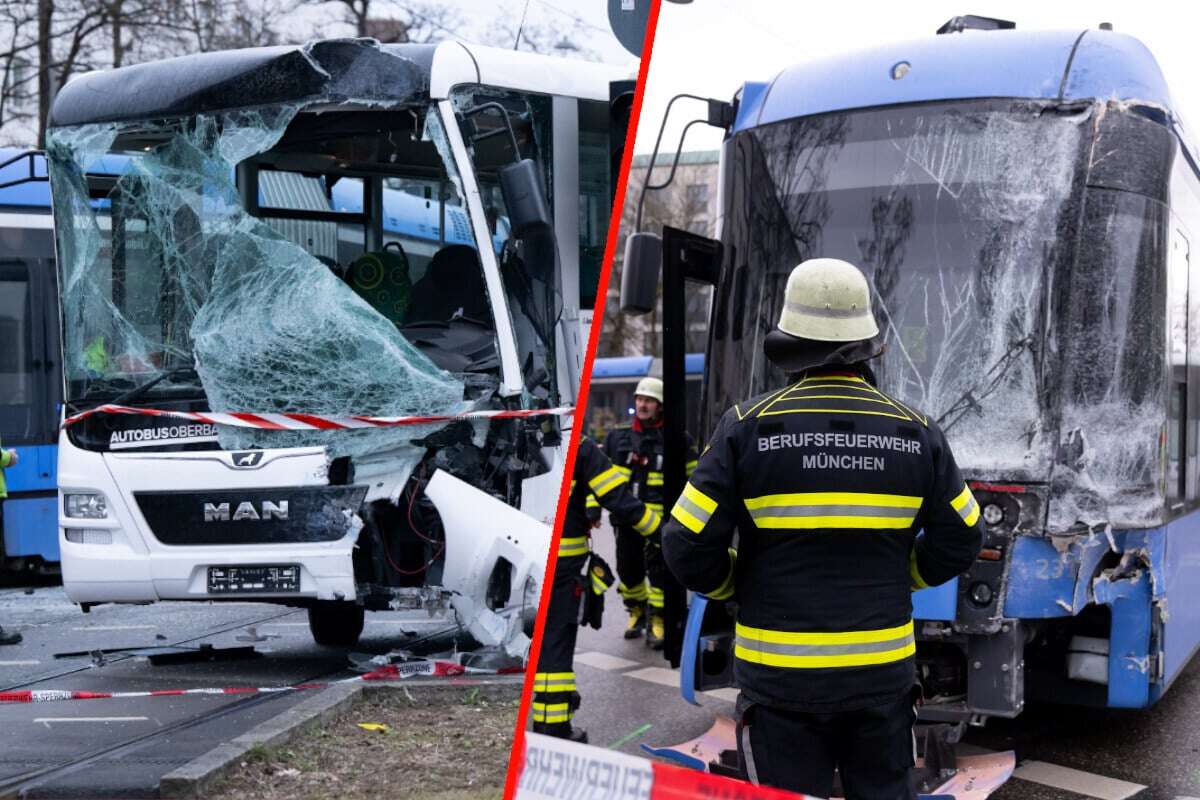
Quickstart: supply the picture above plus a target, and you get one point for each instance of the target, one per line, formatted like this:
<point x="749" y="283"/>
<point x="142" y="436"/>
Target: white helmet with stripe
<point x="826" y="317"/>
<point x="828" y="300"/>
<point x="650" y="387"/>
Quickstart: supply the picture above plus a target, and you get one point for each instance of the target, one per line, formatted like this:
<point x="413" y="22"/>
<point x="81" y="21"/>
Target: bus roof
<point x="1049" y="65"/>
<point x="331" y="71"/>
<point x="640" y="366"/>
<point x="29" y="194"/>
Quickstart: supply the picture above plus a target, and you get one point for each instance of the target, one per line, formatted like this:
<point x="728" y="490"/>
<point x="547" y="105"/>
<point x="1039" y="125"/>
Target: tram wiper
<point x="140" y="391"/>
<point x="972" y="398"/>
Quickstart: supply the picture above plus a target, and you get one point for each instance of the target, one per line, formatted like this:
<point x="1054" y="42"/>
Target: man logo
<point x="220" y="512"/>
<point x="250" y="458"/>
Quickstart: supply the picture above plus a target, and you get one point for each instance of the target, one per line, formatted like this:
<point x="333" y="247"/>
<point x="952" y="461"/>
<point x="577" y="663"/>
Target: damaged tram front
<point x="261" y="248"/>
<point x="1023" y="204"/>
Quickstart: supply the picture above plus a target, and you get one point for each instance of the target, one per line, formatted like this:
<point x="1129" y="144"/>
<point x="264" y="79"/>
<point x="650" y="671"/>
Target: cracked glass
<point x="993" y="281"/>
<point x="287" y="258"/>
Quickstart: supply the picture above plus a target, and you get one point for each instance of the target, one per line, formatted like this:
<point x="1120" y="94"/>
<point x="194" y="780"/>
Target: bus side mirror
<point x="639" y="273"/>
<point x="524" y="199"/>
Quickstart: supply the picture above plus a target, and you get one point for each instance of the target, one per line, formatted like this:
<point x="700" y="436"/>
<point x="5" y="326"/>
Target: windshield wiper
<point x="140" y="391"/>
<point x="973" y="397"/>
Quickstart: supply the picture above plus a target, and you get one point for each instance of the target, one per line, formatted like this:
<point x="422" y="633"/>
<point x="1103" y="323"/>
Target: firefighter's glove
<point x="598" y="578"/>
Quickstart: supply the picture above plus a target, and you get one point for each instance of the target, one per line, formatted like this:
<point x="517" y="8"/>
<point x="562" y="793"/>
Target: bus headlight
<point x="91" y="505"/>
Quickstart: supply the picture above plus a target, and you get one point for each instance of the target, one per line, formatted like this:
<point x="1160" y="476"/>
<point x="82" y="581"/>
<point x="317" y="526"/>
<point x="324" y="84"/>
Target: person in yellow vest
<point x="8" y="458"/>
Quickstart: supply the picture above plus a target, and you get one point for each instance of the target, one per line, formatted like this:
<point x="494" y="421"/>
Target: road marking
<point x="728" y="694"/>
<point x="116" y="628"/>
<point x="18" y="663"/>
<point x="605" y="661"/>
<point x="1073" y="780"/>
<point x="661" y="675"/>
<point x="633" y="734"/>
<point x="47" y="720"/>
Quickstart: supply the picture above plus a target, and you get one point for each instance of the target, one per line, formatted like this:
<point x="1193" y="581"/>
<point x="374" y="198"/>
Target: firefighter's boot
<point x="636" y="623"/>
<point x="657" y="631"/>
<point x="562" y="730"/>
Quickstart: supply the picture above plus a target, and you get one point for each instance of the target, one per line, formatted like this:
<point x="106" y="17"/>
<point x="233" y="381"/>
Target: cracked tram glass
<point x="273" y="260"/>
<point x="967" y="218"/>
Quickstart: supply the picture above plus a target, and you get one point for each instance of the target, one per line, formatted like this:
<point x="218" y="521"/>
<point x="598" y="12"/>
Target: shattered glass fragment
<point x="169" y="273"/>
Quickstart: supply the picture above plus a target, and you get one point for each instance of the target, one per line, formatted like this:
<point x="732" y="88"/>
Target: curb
<point x="196" y="778"/>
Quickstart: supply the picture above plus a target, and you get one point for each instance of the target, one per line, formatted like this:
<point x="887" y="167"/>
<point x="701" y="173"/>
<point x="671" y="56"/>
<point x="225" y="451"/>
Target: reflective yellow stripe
<point x="914" y="574"/>
<point x="572" y="546"/>
<point x="693" y="509"/>
<point x="691" y="467"/>
<point x="639" y="592"/>
<point x="554" y="682"/>
<point x="606" y="481"/>
<point x="966" y="506"/>
<point x="649" y="522"/>
<point x="725" y="590"/>
<point x="598" y="584"/>
<point x="796" y="650"/>
<point x="657" y="507"/>
<point x="626" y="471"/>
<point x="551" y="712"/>
<point x="655" y="597"/>
<point x="591" y="501"/>
<point x="654" y="479"/>
<point x="833" y="510"/>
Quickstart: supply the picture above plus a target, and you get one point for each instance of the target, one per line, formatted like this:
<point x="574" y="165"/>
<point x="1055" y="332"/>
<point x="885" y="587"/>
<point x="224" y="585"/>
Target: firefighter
<point x="8" y="458"/>
<point x="555" y="698"/>
<point x="827" y="482"/>
<point x="637" y="450"/>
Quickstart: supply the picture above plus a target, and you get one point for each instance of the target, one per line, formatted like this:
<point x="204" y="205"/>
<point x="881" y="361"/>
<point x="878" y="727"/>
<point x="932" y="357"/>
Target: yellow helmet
<point x="650" y="387"/>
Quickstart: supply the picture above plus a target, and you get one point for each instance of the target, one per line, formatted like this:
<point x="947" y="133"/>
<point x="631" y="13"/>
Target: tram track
<point x="117" y="658"/>
<point x="19" y="785"/>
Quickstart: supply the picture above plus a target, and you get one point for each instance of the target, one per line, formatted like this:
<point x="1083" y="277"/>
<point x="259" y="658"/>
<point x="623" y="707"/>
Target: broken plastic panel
<point x="1019" y="310"/>
<point x="165" y="269"/>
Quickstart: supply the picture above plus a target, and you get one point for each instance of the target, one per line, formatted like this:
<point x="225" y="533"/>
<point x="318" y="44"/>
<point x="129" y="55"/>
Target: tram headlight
<point x="89" y="505"/>
<point x="981" y="594"/>
<point x="993" y="514"/>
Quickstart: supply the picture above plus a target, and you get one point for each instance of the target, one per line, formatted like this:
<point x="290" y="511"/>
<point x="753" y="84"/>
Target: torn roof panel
<point x="327" y="71"/>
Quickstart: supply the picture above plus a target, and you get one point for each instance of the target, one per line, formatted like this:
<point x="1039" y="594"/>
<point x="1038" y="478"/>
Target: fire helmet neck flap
<point x="826" y="318"/>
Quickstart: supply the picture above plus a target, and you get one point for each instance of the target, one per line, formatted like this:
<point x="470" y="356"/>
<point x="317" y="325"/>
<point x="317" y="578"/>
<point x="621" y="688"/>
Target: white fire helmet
<point x="650" y="387"/>
<point x="828" y="300"/>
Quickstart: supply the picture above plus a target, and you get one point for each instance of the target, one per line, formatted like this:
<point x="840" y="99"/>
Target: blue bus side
<point x="31" y="511"/>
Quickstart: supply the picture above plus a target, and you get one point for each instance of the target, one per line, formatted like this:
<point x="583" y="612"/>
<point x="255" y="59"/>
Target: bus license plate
<point x="256" y="578"/>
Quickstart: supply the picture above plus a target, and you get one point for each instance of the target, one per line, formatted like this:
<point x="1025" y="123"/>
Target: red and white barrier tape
<point x="390" y="672"/>
<point x="556" y="769"/>
<point x="314" y="422"/>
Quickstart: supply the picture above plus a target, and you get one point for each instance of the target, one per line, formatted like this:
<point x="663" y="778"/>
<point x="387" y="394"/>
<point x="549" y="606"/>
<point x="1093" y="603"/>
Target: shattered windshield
<point x="271" y="260"/>
<point x="965" y="217"/>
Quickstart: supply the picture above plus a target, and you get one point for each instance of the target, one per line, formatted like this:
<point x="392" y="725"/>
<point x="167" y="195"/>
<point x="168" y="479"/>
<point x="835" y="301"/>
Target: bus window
<point x="594" y="205"/>
<point x="16" y="354"/>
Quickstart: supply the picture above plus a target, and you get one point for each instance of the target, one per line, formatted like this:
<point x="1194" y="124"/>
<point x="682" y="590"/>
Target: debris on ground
<point x="457" y="742"/>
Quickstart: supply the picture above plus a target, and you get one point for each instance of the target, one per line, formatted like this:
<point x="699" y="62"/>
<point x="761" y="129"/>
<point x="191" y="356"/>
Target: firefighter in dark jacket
<point x="637" y="450"/>
<point x="827" y="482"/>
<point x="555" y="698"/>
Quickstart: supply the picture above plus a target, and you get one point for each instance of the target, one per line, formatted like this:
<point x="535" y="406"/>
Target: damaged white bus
<point x="306" y="236"/>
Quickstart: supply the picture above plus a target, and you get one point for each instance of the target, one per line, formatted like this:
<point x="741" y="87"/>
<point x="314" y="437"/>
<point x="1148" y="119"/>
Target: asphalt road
<point x="162" y="733"/>
<point x="631" y="698"/>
